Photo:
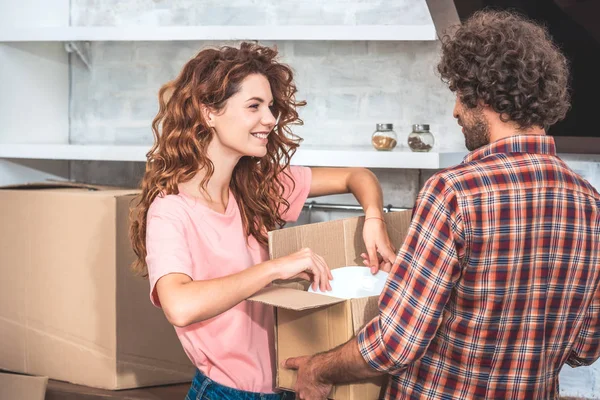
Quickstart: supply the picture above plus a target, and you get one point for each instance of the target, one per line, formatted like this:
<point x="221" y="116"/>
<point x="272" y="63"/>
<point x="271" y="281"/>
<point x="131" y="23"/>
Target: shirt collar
<point x="534" y="144"/>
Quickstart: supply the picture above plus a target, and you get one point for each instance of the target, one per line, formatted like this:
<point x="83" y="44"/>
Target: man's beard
<point x="477" y="134"/>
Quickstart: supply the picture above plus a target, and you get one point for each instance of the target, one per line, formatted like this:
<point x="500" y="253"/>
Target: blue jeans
<point x="204" y="388"/>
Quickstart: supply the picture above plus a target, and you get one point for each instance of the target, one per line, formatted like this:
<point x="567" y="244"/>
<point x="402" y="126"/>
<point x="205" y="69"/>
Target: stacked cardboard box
<point x="70" y="308"/>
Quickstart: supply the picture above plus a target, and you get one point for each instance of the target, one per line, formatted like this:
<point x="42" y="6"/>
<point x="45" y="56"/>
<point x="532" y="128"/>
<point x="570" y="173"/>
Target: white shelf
<point x="312" y="157"/>
<point x="173" y="33"/>
<point x="370" y="158"/>
<point x="74" y="152"/>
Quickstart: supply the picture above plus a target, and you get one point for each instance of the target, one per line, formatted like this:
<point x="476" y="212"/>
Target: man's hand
<point x="318" y="373"/>
<point x="309" y="385"/>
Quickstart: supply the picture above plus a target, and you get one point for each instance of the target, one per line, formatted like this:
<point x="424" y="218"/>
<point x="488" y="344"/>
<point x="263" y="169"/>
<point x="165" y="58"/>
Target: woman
<point x="217" y="179"/>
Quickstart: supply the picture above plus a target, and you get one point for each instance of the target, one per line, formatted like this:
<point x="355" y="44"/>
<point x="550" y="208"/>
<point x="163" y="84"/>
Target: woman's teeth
<point x="260" y="135"/>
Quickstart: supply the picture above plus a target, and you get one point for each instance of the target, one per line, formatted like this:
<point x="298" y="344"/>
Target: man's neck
<point x="500" y="129"/>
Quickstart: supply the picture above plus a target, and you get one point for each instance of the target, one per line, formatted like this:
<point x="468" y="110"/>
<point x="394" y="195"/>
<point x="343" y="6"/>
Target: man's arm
<point x="340" y="365"/>
<point x="412" y="304"/>
<point x="586" y="349"/>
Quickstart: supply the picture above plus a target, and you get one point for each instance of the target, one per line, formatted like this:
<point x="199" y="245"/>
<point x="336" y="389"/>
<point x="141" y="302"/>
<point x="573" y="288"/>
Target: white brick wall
<point x="349" y="87"/>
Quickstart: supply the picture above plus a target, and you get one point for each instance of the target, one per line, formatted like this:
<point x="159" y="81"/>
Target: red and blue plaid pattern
<point x="496" y="285"/>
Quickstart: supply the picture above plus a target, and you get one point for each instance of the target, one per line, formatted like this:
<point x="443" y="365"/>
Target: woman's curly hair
<point x="181" y="138"/>
<point x="510" y="64"/>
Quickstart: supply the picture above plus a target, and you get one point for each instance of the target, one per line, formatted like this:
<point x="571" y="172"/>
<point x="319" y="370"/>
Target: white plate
<point x="352" y="282"/>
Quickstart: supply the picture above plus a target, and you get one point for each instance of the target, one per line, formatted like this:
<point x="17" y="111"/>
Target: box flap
<point x="339" y="242"/>
<point x="293" y="299"/>
<point x="324" y="238"/>
<point x="16" y="386"/>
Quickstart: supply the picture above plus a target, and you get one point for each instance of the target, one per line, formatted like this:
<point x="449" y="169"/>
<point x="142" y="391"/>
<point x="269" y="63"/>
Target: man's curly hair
<point x="510" y="64"/>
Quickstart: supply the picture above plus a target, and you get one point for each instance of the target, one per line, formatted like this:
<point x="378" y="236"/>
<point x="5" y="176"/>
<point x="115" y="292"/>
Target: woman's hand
<point x="363" y="184"/>
<point x="380" y="252"/>
<point x="305" y="264"/>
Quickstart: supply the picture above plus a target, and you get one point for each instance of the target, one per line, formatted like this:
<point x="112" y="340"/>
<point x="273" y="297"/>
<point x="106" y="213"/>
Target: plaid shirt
<point x="496" y="285"/>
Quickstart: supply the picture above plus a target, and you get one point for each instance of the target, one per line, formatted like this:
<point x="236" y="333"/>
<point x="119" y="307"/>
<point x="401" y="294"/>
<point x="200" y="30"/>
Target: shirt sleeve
<point x="586" y="349"/>
<point x="166" y="244"/>
<point x="420" y="283"/>
<point x="296" y="183"/>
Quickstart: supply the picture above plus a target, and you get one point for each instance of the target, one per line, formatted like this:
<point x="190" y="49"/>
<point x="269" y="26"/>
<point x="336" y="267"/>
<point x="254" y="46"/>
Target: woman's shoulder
<point x="294" y="173"/>
<point x="168" y="205"/>
<point x="295" y="178"/>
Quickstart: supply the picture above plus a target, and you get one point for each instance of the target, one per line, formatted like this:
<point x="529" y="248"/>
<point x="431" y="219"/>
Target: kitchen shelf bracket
<point x="82" y="49"/>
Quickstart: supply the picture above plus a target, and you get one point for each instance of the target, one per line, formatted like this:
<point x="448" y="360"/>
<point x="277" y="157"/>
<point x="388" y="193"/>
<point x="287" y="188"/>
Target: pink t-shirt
<point x="184" y="236"/>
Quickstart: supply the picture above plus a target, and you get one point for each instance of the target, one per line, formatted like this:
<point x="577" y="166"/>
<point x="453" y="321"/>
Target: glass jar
<point x="384" y="137"/>
<point x="420" y="139"/>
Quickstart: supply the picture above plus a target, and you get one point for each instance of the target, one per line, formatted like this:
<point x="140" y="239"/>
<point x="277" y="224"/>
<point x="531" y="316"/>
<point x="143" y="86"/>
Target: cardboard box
<point x="308" y="323"/>
<point x="14" y="386"/>
<point x="70" y="308"/>
<point x="25" y="387"/>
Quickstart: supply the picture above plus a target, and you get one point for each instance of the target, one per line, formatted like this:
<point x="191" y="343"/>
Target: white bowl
<point x="353" y="282"/>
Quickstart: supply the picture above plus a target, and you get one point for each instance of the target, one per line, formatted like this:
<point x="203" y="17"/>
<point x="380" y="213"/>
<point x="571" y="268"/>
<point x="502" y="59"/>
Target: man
<point x="496" y="284"/>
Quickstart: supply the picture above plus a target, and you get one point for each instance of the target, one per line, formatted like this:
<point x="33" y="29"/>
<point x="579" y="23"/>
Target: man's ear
<point x="481" y="104"/>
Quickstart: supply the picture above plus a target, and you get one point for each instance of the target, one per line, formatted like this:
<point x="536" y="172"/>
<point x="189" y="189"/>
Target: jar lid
<point x="384" y="127"/>
<point x="420" y="127"/>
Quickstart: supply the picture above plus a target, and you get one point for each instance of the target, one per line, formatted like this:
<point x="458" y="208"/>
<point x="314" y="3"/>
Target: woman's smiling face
<point x="245" y="123"/>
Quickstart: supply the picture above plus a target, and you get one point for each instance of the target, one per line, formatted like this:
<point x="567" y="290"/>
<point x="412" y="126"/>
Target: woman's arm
<point x="363" y="184"/>
<point x="185" y="301"/>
